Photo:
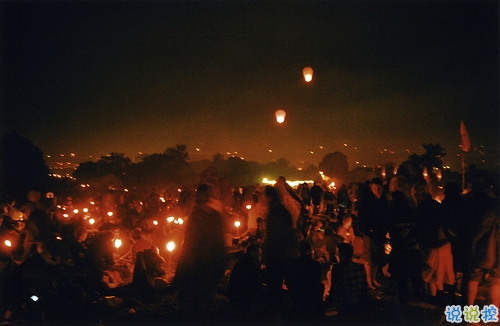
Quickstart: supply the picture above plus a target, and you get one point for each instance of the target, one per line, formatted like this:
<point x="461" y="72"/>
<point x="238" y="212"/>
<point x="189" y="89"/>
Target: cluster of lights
<point x="292" y="184"/>
<point x="171" y="219"/>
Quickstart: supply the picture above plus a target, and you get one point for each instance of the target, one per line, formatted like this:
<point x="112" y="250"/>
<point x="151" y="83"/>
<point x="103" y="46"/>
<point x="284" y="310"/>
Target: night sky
<point x="93" y="77"/>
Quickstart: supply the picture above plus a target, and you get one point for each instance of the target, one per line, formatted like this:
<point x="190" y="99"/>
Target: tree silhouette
<point x="22" y="167"/>
<point x="335" y="166"/>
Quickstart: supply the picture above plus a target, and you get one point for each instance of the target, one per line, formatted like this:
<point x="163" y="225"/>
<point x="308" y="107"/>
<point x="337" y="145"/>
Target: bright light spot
<point x="85" y="210"/>
<point x="92" y="203"/>
<point x="110" y="214"/>
<point x="311" y="152"/>
<point x="65" y="215"/>
<point x="34" y="298"/>
<point x="155" y="222"/>
<point x="91" y="221"/>
<point x="170" y="246"/>
<point x="270" y="150"/>
<point x="248" y="206"/>
<point x="8" y="243"/>
<point x="162" y="199"/>
<point x="58" y="238"/>
<point x="345" y="145"/>
<point x="280" y="116"/>
<point x="308" y="74"/>
<point x="237" y="224"/>
<point x="75" y="211"/>
<point x="170" y="219"/>
<point x="197" y="149"/>
<point x="118" y="243"/>
<point x="180" y="221"/>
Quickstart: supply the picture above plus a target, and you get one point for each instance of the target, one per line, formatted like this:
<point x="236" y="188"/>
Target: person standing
<point x="316" y="196"/>
<point x="373" y="214"/>
<point x="203" y="258"/>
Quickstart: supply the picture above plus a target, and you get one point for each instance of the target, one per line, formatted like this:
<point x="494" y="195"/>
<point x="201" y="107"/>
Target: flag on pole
<point x="465" y="137"/>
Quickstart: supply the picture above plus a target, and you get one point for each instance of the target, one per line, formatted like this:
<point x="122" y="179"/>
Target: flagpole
<point x="465" y="148"/>
<point x="463" y="170"/>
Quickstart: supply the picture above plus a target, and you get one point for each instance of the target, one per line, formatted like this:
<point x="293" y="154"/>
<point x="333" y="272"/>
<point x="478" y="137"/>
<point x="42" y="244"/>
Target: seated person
<point x="305" y="285"/>
<point x="349" y="284"/>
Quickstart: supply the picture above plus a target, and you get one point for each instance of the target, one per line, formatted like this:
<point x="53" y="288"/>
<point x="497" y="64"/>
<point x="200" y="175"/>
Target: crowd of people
<point x="304" y="251"/>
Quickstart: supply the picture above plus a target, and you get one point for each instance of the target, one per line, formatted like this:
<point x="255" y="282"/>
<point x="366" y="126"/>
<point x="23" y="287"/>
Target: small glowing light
<point x="280" y="116"/>
<point x="170" y="219"/>
<point x="58" y="238"/>
<point x="34" y="298"/>
<point x="237" y="224"/>
<point x="248" y="206"/>
<point x="85" y="210"/>
<point x="126" y="190"/>
<point x="8" y="243"/>
<point x="110" y="214"/>
<point x="170" y="246"/>
<point x="155" y="222"/>
<point x="180" y="221"/>
<point x="197" y="149"/>
<point x="75" y="211"/>
<point x="65" y="215"/>
<point x="308" y="74"/>
<point x="118" y="243"/>
<point x="162" y="199"/>
<point x="91" y="221"/>
<point x="92" y="203"/>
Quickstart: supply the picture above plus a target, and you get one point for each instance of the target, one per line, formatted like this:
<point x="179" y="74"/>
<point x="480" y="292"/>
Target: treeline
<point x="23" y="168"/>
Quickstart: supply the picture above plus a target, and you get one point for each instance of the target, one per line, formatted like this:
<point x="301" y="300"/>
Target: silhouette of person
<point x="203" y="258"/>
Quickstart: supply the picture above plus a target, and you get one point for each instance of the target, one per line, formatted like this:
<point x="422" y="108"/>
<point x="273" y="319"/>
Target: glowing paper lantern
<point x="118" y="243"/>
<point x="170" y="246"/>
<point x="280" y="116"/>
<point x="308" y="74"/>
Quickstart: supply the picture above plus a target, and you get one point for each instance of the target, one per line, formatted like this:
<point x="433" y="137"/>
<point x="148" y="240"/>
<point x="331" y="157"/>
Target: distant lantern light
<point x="8" y="243"/>
<point x="155" y="222"/>
<point x="118" y="243"/>
<point x="170" y="246"/>
<point x="91" y="221"/>
<point x="308" y="74"/>
<point x="170" y="219"/>
<point x="110" y="214"/>
<point x="280" y="116"/>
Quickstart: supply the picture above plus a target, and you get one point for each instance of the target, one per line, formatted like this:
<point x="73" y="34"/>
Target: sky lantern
<point x="308" y="74"/>
<point x="280" y="116"/>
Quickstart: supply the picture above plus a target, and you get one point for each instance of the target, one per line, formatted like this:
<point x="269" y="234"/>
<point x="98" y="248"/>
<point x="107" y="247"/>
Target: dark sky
<point x="93" y="77"/>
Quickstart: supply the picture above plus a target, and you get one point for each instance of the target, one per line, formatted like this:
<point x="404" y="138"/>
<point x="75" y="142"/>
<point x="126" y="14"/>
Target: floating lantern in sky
<point x="280" y="116"/>
<point x="308" y="74"/>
